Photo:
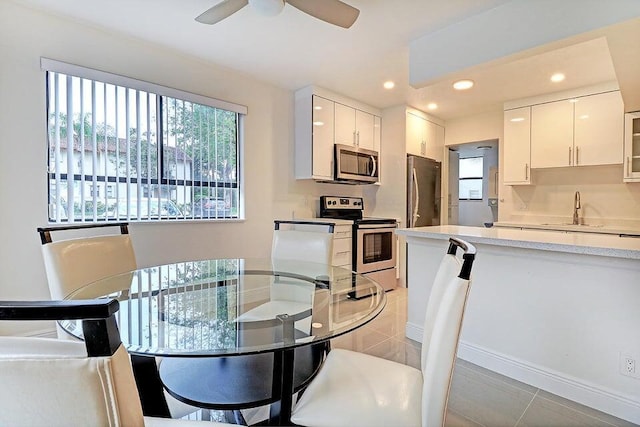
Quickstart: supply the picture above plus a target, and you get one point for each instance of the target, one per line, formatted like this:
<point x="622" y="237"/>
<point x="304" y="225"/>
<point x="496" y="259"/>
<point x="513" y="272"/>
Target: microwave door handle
<point x="415" y="215"/>
<point x="373" y="161"/>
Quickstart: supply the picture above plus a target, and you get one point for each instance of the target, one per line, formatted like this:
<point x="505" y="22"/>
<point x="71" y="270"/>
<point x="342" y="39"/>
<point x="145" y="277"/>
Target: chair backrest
<point x="443" y="323"/>
<point x="63" y="383"/>
<point x="73" y="263"/>
<point x="303" y="244"/>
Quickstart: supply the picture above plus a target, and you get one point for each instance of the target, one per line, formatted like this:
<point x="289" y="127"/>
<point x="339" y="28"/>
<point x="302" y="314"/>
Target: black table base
<point x="240" y="382"/>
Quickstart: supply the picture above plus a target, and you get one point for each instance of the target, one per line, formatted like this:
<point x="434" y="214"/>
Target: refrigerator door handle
<point x="415" y="215"/>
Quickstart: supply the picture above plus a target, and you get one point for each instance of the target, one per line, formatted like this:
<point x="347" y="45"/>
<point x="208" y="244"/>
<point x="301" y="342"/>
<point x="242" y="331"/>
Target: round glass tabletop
<point x="234" y="306"/>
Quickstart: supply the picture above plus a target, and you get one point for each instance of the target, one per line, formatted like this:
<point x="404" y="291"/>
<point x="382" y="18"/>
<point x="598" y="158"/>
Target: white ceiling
<point x="293" y="50"/>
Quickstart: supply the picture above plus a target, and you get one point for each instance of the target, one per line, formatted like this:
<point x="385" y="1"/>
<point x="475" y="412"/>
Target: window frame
<point x="472" y="178"/>
<point x="164" y="176"/>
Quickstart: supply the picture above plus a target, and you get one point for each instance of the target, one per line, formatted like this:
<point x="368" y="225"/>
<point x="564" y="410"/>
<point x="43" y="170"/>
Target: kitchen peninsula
<point x="557" y="310"/>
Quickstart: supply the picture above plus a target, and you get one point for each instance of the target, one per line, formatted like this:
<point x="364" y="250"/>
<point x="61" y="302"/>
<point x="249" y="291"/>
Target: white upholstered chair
<point x="289" y="246"/>
<point x="354" y="389"/>
<point x="73" y="263"/>
<point x="53" y="382"/>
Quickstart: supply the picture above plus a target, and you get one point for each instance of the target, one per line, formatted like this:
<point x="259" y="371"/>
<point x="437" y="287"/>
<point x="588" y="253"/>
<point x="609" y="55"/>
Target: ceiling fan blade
<point x="332" y="11"/>
<point x="220" y="11"/>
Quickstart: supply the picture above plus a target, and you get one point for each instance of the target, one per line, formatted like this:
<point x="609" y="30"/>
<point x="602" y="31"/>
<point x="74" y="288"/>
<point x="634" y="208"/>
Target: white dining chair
<point x="315" y="250"/>
<point x="73" y="263"/>
<point x="54" y="382"/>
<point x="354" y="389"/>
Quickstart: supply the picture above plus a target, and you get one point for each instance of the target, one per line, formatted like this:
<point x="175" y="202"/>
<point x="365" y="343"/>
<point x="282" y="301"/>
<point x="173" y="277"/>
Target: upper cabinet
<point x="517" y="146"/>
<point x="424" y="138"/>
<point x="355" y="127"/>
<point x="323" y="119"/>
<point x="632" y="147"/>
<point x="582" y="131"/>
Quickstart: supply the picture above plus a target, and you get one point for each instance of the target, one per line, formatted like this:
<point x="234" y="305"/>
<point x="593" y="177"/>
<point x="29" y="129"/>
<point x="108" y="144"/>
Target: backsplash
<point x="605" y="199"/>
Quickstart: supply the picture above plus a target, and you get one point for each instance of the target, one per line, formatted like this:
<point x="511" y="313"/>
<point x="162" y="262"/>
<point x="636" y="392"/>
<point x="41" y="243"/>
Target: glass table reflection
<point x="271" y="313"/>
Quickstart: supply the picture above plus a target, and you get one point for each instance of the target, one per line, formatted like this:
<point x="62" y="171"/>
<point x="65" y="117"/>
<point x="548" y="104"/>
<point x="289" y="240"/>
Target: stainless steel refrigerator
<point x="423" y="191"/>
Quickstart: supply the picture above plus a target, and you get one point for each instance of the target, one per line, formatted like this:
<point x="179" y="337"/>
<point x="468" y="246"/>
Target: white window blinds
<point x="121" y="152"/>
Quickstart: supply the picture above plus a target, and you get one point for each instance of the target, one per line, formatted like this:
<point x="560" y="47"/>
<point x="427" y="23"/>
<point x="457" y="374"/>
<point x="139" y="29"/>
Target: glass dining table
<point x="233" y="333"/>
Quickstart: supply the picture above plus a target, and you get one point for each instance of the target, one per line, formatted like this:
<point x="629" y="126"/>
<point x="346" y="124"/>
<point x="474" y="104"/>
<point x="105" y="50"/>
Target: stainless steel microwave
<point x="356" y="165"/>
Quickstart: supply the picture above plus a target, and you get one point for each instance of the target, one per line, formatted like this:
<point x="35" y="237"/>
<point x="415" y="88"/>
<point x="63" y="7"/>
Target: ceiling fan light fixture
<point x="267" y="7"/>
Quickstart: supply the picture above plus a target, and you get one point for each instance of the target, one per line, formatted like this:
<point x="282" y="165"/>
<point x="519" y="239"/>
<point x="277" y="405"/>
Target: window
<point x="139" y="151"/>
<point x="470" y="185"/>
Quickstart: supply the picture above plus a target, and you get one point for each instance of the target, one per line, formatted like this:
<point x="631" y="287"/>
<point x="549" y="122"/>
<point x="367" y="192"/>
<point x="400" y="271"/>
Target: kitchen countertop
<point x="334" y="221"/>
<point x="577" y="243"/>
<point x="601" y="229"/>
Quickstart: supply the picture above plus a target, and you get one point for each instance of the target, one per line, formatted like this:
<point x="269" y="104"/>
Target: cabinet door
<point x="322" y="153"/>
<point x="364" y="130"/>
<point x="599" y="124"/>
<point x="632" y="147"/>
<point x="552" y="135"/>
<point x="434" y="141"/>
<point x="517" y="146"/>
<point x="416" y="132"/>
<point x="377" y="132"/>
<point x="345" y="125"/>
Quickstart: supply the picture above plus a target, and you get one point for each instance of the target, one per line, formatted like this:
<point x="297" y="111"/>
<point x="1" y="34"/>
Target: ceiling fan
<point x="334" y="12"/>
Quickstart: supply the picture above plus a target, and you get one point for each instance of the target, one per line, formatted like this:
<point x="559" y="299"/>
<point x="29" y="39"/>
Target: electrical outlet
<point x="629" y="365"/>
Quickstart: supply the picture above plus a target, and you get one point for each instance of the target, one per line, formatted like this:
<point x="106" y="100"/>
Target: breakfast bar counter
<point x="558" y="241"/>
<point x="557" y="310"/>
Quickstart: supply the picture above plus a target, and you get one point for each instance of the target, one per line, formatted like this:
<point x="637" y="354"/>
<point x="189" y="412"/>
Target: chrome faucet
<point x="576" y="206"/>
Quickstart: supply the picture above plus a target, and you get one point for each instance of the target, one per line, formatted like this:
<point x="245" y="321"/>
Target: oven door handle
<point x="377" y="226"/>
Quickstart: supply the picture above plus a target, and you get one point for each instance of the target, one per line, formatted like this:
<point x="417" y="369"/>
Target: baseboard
<point x="557" y="383"/>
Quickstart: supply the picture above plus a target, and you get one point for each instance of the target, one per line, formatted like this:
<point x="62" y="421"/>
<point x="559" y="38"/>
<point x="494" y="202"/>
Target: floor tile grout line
<point x="497" y="376"/>
<point x="466" y="418"/>
<point x="525" y="409"/>
<point x="580" y="412"/>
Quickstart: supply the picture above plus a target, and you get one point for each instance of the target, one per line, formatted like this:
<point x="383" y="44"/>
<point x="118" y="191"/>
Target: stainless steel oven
<point x="374" y="240"/>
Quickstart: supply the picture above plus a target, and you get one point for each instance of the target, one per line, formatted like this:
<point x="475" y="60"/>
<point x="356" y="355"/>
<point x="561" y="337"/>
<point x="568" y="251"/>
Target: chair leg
<point x="150" y="388"/>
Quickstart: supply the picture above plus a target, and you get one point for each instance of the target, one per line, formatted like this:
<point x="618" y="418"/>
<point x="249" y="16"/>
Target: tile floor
<point x="479" y="397"/>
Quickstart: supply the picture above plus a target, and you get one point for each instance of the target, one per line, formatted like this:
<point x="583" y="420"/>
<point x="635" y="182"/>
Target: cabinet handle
<point x="343" y="252"/>
<point x="526" y="171"/>
<point x="354" y="138"/>
<point x="358" y="137"/>
<point x="569" y="156"/>
<point x="496" y="180"/>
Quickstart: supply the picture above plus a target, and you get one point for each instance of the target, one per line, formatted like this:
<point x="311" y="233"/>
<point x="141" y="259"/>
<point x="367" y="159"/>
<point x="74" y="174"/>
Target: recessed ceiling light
<point x="318" y="123"/>
<point x="389" y="84"/>
<point x="517" y="119"/>
<point x="583" y="117"/>
<point x="574" y="100"/>
<point x="318" y="107"/>
<point x="557" y="77"/>
<point x="432" y="106"/>
<point x="463" y="84"/>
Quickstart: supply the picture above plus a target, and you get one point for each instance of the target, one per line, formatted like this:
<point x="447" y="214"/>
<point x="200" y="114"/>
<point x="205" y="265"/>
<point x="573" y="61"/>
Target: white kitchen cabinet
<point x="552" y="134"/>
<point x="583" y="131"/>
<point x="517" y="146"/>
<point x="342" y="243"/>
<point x="314" y="137"/>
<point x="424" y="138"/>
<point x="355" y="127"/>
<point x="322" y="119"/>
<point x="599" y="125"/>
<point x="632" y="147"/>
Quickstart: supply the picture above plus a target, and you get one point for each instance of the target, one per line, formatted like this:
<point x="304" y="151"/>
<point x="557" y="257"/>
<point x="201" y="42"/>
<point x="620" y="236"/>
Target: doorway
<point x="473" y="183"/>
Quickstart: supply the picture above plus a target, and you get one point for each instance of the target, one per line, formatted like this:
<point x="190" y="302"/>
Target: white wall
<point x="270" y="190"/>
